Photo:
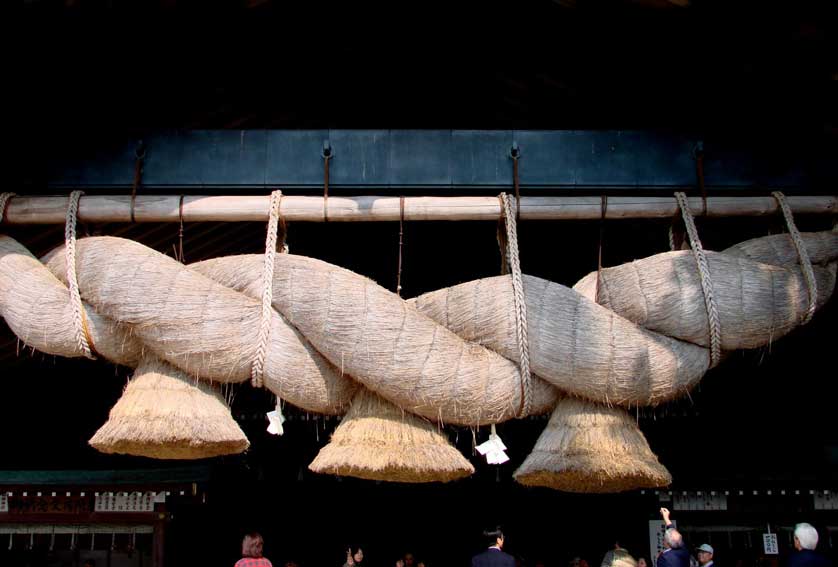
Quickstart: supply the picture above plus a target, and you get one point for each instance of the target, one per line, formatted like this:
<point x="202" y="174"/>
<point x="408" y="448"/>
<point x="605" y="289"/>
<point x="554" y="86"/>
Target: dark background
<point x="746" y="73"/>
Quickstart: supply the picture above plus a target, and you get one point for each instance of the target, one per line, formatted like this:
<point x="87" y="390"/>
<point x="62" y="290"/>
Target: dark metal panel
<point x="361" y="157"/>
<point x="481" y="157"/>
<point x="725" y="166"/>
<point x="653" y="159"/>
<point x="609" y="158"/>
<point x="441" y="159"/>
<point x="205" y="157"/>
<point x="420" y="157"/>
<point x="294" y="157"/>
<point x="549" y="157"/>
<point x="104" y="165"/>
<point x="633" y="159"/>
<point x="770" y="164"/>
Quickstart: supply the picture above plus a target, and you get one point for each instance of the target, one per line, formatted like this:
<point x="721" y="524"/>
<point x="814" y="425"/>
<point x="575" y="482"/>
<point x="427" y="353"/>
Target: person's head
<point x="704" y="554"/>
<point x="623" y="558"/>
<point x="409" y="560"/>
<point x="358" y="556"/>
<point x="252" y="545"/>
<point x="89" y="563"/>
<point x="672" y="539"/>
<point x="805" y="536"/>
<point x="494" y="537"/>
<point x="575" y="562"/>
<point x="641" y="562"/>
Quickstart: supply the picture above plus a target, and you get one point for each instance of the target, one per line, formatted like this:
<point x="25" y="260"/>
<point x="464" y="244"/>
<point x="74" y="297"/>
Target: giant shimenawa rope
<point x="331" y="329"/>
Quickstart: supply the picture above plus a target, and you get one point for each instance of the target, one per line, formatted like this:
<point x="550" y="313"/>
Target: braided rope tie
<point x="802" y="253"/>
<point x="520" y="303"/>
<point x="4" y="200"/>
<point x="706" y="282"/>
<point x="672" y="238"/>
<point x="258" y="369"/>
<point x="79" y="319"/>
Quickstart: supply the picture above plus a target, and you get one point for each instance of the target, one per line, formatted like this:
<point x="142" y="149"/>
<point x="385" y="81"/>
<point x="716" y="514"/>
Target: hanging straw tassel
<point x="588" y="447"/>
<point x="165" y="414"/>
<point x="379" y="441"/>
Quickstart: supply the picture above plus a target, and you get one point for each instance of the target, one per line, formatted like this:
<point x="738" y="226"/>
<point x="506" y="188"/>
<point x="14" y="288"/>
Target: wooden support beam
<point x="165" y="208"/>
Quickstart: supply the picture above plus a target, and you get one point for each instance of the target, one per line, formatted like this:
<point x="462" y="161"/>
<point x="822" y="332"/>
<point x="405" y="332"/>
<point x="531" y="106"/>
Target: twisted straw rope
<point x="79" y="319"/>
<point x="802" y="253"/>
<point x="704" y="276"/>
<point x="514" y="379"/>
<point x="520" y="303"/>
<point x="4" y="199"/>
<point x="258" y="368"/>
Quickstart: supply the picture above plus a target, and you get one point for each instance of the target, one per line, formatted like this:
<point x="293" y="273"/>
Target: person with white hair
<point x="805" y="542"/>
<point x="675" y="553"/>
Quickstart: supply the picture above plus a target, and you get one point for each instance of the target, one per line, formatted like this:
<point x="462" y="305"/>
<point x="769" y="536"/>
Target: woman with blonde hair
<point x="252" y="545"/>
<point x="623" y="558"/>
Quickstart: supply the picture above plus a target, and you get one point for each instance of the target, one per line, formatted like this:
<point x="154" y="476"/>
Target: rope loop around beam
<point x="258" y="369"/>
<point x="514" y="262"/>
<point x="805" y="262"/>
<point x="713" y="320"/>
<point x="79" y="317"/>
<point x="4" y="200"/>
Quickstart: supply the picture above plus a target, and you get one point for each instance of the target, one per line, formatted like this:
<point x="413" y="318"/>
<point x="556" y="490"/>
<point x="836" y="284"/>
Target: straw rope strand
<point x="706" y="281"/>
<point x="258" y="368"/>
<point x="802" y="253"/>
<point x="520" y="304"/>
<point x="4" y="200"/>
<point x="79" y="319"/>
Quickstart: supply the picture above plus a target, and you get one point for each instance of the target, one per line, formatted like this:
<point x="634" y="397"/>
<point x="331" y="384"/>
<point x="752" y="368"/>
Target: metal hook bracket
<point x="327" y="152"/>
<point x="515" y="151"/>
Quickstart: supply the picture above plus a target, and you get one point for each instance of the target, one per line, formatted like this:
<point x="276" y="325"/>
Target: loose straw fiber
<point x="378" y="441"/>
<point x="588" y="447"/>
<point x="164" y="414"/>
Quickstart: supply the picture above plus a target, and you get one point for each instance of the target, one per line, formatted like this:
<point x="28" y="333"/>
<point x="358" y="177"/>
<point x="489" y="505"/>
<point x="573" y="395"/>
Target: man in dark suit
<point x="494" y="556"/>
<point x="674" y="554"/>
<point x="805" y="542"/>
